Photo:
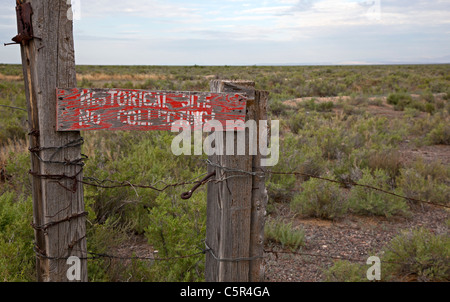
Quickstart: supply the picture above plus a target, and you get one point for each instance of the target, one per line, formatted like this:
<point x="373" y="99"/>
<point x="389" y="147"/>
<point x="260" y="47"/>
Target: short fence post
<point x="48" y="62"/>
<point x="236" y="206"/>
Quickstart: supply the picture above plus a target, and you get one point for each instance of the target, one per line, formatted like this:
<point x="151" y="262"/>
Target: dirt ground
<point x="353" y="238"/>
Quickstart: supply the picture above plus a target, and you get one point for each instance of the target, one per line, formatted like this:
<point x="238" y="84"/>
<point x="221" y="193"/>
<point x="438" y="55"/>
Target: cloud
<point x="139" y="8"/>
<point x="303" y="5"/>
<point x="253" y="31"/>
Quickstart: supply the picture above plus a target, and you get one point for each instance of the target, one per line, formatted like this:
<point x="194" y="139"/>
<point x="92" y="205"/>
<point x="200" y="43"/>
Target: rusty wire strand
<point x="12" y="107"/>
<point x="96" y="256"/>
<point x="348" y="183"/>
<point x="333" y="257"/>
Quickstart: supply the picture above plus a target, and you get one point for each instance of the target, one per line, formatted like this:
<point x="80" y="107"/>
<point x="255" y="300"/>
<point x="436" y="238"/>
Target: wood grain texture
<point x="258" y="112"/>
<point x="133" y="109"/>
<point x="235" y="210"/>
<point x="48" y="63"/>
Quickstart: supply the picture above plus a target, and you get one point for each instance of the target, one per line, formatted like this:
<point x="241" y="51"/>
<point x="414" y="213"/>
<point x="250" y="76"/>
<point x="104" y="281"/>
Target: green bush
<point x="430" y="108"/>
<point x="177" y="228"/>
<point x="311" y="104"/>
<point x="345" y="271"/>
<point x="297" y="122"/>
<point x="17" y="258"/>
<point x="399" y="99"/>
<point x="17" y="166"/>
<point x="331" y="142"/>
<point x="439" y="135"/>
<point x="423" y="187"/>
<point x="367" y="201"/>
<point x="283" y="233"/>
<point x="103" y="238"/>
<point x="277" y="107"/>
<point x="321" y="199"/>
<point x="136" y="158"/>
<point x="418" y="255"/>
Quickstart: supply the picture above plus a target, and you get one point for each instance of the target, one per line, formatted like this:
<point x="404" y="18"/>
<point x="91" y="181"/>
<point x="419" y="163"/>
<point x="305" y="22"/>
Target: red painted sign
<point x="81" y="109"/>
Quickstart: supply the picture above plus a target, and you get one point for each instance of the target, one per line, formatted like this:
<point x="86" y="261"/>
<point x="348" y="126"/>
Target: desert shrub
<point x="357" y="99"/>
<point x="387" y="159"/>
<point x="411" y="112"/>
<point x="17" y="166"/>
<point x="331" y="142"/>
<point x="177" y="228"/>
<point x="372" y="202"/>
<point x="325" y="106"/>
<point x="430" y="108"/>
<point x="439" y="135"/>
<point x="436" y="170"/>
<point x="417" y="186"/>
<point x="312" y="165"/>
<point x="311" y="104"/>
<point x="297" y="157"/>
<point x="277" y="107"/>
<point x="283" y="233"/>
<point x="345" y="271"/>
<point x="418" y="255"/>
<point x="400" y="99"/>
<point x="320" y="88"/>
<point x="376" y="101"/>
<point x="321" y="199"/>
<point x="447" y="95"/>
<point x="280" y="189"/>
<point x="297" y="122"/>
<point x="352" y="110"/>
<point x="345" y="171"/>
<point x="13" y="122"/>
<point x="428" y="96"/>
<point x="428" y="129"/>
<point x="137" y="158"/>
<point x="103" y="238"/>
<point x="17" y="258"/>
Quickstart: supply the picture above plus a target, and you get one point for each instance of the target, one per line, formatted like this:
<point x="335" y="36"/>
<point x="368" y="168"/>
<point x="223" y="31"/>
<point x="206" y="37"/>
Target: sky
<point x="251" y="32"/>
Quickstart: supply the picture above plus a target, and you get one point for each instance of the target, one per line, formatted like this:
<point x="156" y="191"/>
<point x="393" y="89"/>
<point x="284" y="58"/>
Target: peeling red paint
<point x="133" y="109"/>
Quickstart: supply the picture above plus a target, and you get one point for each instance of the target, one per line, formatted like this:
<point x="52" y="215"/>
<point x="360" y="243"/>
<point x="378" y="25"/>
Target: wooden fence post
<point x="59" y="219"/>
<point x="236" y="206"/>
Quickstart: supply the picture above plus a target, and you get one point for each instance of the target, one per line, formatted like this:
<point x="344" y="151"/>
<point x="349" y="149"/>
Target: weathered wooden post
<point x="47" y="48"/>
<point x="236" y="205"/>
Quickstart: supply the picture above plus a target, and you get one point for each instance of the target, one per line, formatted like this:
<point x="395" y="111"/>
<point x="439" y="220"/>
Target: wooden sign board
<point x="81" y="109"/>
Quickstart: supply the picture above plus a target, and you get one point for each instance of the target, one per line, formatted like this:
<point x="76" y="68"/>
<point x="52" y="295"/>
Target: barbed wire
<point x="332" y="257"/>
<point x="103" y="183"/>
<point x="96" y="256"/>
<point x="265" y="172"/>
<point x="229" y="173"/>
<point x="207" y="249"/>
<point x="352" y="183"/>
<point x="13" y="107"/>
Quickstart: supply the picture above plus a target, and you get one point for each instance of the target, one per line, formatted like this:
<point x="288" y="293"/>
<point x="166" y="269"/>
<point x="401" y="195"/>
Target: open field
<point x="382" y="126"/>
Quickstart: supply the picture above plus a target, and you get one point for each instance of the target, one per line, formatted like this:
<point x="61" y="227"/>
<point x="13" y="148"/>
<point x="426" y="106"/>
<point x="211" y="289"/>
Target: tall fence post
<point x="236" y="205"/>
<point x="48" y="62"/>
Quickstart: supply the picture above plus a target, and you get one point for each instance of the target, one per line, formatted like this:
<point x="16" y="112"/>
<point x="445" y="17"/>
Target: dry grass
<point x="98" y="77"/>
<point x="10" y="148"/>
<point x="119" y="77"/>
<point x="10" y="78"/>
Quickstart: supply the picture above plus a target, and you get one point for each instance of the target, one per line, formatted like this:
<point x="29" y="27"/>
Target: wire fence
<point x="103" y="183"/>
<point x="161" y="186"/>
<point x="202" y="251"/>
